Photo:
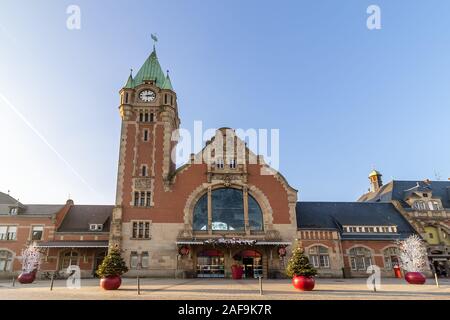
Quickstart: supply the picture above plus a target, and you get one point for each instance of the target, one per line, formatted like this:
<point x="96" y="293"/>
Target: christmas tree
<point x="112" y="265"/>
<point x="299" y="265"/>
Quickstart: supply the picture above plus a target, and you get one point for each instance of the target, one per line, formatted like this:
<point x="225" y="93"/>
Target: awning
<point x="261" y="243"/>
<point x="73" y="244"/>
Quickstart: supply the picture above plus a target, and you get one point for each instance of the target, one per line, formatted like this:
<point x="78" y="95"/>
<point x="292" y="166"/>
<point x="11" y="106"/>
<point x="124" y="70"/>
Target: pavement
<point x="227" y="289"/>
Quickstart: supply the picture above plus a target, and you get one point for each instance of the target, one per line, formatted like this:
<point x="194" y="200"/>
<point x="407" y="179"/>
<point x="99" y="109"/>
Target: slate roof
<point x="6" y="201"/>
<point x="398" y="190"/>
<point x="335" y="215"/>
<point x="80" y="216"/>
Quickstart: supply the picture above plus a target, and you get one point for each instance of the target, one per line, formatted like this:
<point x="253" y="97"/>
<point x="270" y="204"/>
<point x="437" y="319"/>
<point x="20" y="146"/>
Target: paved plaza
<point x="199" y="289"/>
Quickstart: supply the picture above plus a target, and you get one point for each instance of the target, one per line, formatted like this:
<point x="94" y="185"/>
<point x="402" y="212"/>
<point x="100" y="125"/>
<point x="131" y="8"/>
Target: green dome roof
<point x="150" y="70"/>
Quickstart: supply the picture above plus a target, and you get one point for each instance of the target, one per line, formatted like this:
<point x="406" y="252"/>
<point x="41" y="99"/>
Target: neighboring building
<point x="344" y="238"/>
<point x="65" y="233"/>
<point x="426" y="205"/>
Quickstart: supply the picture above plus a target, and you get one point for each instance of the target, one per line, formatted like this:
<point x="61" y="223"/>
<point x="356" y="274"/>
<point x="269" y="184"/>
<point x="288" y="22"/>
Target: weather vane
<point x="154" y="38"/>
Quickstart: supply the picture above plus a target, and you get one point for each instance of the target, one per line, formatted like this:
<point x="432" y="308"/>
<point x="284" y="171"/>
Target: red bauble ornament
<point x="26" y="278"/>
<point x="184" y="251"/>
<point x="303" y="283"/>
<point x="415" y="278"/>
<point x="111" y="282"/>
<point x="281" y="251"/>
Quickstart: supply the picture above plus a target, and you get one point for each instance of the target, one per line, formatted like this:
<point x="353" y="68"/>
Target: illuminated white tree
<point x="31" y="259"/>
<point x="413" y="254"/>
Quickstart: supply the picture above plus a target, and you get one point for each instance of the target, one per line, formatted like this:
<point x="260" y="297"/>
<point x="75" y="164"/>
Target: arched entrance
<point x="210" y="264"/>
<point x="252" y="263"/>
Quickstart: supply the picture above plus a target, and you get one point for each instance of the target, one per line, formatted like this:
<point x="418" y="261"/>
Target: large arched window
<point x="227" y="211"/>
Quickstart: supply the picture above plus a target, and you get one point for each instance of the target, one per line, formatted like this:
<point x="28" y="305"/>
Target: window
<point x="430" y="235"/>
<point x="13" y="211"/>
<point x="139" y="261"/>
<point x="126" y="97"/>
<point x="70" y="258"/>
<point x="391" y="257"/>
<point x="419" y="205"/>
<point x="141" y="116"/>
<point x="144" y="259"/>
<point x="95" y="227"/>
<point x="434" y="205"/>
<point x="145" y="135"/>
<point x="319" y="257"/>
<point x="227" y="211"/>
<point x="165" y="99"/>
<point x="360" y="259"/>
<point x="6" y="259"/>
<point x="134" y="260"/>
<point x="233" y="163"/>
<point x="146" y="117"/>
<point x="148" y="201"/>
<point x="8" y="232"/>
<point x="37" y="233"/>
<point x="219" y="163"/>
<point x="136" y="199"/>
<point x="141" y="230"/>
<point x="142" y="199"/>
<point x="171" y="100"/>
<point x="144" y="171"/>
<point x="152" y="117"/>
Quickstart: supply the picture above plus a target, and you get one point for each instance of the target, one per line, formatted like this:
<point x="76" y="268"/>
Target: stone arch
<point x="256" y="193"/>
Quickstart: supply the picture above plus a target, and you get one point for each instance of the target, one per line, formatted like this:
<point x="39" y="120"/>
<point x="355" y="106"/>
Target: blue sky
<point x="344" y="98"/>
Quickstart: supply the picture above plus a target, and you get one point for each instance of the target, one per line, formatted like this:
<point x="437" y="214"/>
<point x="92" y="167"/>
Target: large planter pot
<point x="303" y="283"/>
<point x="27" y="277"/>
<point x="237" y="272"/>
<point x="111" y="283"/>
<point x="415" y="278"/>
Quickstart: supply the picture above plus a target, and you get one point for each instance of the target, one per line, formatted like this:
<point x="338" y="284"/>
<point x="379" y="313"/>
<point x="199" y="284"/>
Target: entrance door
<point x="252" y="262"/>
<point x="248" y="267"/>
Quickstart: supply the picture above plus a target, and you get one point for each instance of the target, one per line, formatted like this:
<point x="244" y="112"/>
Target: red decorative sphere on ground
<point x="415" y="278"/>
<point x="111" y="283"/>
<point x="26" y="278"/>
<point x="303" y="283"/>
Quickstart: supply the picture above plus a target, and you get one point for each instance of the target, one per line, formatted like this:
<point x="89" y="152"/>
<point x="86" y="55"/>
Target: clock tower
<point x="149" y="113"/>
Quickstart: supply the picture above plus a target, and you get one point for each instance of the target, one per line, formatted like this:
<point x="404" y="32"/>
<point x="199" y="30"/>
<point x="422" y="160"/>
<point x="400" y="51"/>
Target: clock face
<point x="147" y="95"/>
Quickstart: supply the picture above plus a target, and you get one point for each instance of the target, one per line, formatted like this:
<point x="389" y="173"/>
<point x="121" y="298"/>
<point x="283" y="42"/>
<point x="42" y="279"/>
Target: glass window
<point x="391" y="257"/>
<point x="141" y="230"/>
<point x="37" y="232"/>
<point x="70" y="258"/>
<point x="227" y="209"/>
<point x="3" y="232"/>
<point x="319" y="257"/>
<point x="136" y="199"/>
<point x="134" y="260"/>
<point x="5" y="260"/>
<point x="144" y="259"/>
<point x="201" y="214"/>
<point x="12" y="233"/>
<point x="360" y="259"/>
<point x="255" y="216"/>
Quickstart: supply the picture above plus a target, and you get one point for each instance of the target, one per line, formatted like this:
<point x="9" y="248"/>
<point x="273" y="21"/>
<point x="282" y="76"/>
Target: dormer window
<point x="95" y="227"/>
<point x="13" y="211"/>
<point x="419" y="205"/>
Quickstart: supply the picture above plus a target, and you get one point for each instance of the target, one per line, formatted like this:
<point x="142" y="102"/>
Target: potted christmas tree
<point x="301" y="271"/>
<point x="413" y="259"/>
<point x="111" y="269"/>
